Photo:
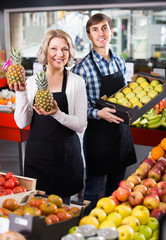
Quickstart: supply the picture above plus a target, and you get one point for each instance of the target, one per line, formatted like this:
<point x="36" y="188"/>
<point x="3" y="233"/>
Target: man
<point x="108" y="143"/>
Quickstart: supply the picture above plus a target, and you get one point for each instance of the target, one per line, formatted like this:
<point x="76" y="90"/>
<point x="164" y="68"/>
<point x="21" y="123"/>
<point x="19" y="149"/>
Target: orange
<point x="157" y="152"/>
<point x="163" y="143"/>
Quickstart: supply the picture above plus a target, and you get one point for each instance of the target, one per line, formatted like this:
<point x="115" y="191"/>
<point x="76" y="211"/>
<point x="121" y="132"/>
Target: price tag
<point x="21" y="221"/>
<point x="4" y="225"/>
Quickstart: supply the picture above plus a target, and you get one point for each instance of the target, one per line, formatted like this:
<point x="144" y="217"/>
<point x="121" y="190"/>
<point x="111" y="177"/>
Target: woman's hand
<point x="20" y="87"/>
<point x="108" y="114"/>
<point x="43" y="112"/>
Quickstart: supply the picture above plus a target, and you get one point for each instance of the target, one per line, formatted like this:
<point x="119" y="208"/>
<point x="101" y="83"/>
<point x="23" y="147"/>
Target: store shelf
<point x="147" y="137"/>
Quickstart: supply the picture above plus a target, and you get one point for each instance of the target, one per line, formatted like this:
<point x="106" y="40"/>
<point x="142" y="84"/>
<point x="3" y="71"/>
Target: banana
<point x="146" y="115"/>
<point x="157" y="124"/>
<point x="155" y="121"/>
<point x="154" y="117"/>
<point x="135" y="122"/>
<point x="143" y="121"/>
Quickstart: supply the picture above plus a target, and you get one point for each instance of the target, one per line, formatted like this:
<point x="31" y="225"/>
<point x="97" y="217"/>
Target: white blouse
<point x="77" y="104"/>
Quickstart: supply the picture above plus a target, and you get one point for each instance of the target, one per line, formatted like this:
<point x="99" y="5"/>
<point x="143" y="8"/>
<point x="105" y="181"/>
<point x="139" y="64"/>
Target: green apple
<point x="159" y="88"/>
<point x="153" y="238"/>
<point x="106" y="204"/>
<point x="89" y="220"/>
<point x="72" y="229"/>
<point x="141" y="94"/>
<point x="142" y="213"/>
<point x="123" y="210"/>
<point x="115" y="217"/>
<point x="148" y="88"/>
<point x="139" y="80"/>
<point x="99" y="214"/>
<point x="154" y="83"/>
<point x="132" y="85"/>
<point x="138" y="236"/>
<point x="107" y="223"/>
<point x="146" y="231"/>
<point x="118" y="95"/>
<point x="156" y="233"/>
<point x="111" y="99"/>
<point x="126" y="90"/>
<point x="145" y="99"/>
<point x="129" y="95"/>
<point x="152" y="93"/>
<point x="133" y="100"/>
<point x="132" y="221"/>
<point x="137" y="89"/>
<point x="144" y="84"/>
<point x="138" y="104"/>
<point x="122" y="100"/>
<point x="153" y="223"/>
<point x="125" y="232"/>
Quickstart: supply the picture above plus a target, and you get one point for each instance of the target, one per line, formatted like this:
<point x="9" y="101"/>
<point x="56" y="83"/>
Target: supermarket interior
<point x="139" y="36"/>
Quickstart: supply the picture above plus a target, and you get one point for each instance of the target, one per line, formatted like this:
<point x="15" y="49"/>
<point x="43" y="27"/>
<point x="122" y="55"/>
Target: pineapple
<point x="43" y="98"/>
<point x="15" y="72"/>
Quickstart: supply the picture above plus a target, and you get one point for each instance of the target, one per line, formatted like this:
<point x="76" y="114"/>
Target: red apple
<point x="160" y="167"/>
<point x="141" y="188"/>
<point x="123" y="193"/>
<point x="115" y="200"/>
<point x="162" y="206"/>
<point x="135" y="198"/>
<point x="163" y="177"/>
<point x="155" y="190"/>
<point x="114" y="193"/>
<point x="157" y="213"/>
<point x="125" y="183"/>
<point x="162" y="186"/>
<point x="155" y="174"/>
<point x="134" y="179"/>
<point x="151" y="201"/>
<point x="141" y="172"/>
<point x="163" y="198"/>
<point x="149" y="161"/>
<point x="145" y="165"/>
<point x="149" y="182"/>
<point x="162" y="161"/>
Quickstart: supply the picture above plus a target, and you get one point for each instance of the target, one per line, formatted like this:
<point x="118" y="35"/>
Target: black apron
<point x="109" y="146"/>
<point x="53" y="152"/>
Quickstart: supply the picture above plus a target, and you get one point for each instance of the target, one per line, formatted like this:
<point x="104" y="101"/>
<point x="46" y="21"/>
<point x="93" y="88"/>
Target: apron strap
<point x="64" y="80"/>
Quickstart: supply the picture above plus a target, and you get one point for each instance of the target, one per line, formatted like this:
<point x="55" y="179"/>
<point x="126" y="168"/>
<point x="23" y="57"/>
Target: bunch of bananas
<point x="151" y="120"/>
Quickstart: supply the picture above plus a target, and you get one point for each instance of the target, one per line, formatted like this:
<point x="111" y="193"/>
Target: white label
<point x="21" y="221"/>
<point x="4" y="224"/>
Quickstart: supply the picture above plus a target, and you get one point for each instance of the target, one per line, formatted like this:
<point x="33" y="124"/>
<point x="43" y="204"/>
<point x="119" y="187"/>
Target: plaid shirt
<point x="85" y="68"/>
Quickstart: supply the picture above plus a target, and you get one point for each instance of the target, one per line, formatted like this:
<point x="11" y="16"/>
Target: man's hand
<point x="108" y="114"/>
<point x="43" y="112"/>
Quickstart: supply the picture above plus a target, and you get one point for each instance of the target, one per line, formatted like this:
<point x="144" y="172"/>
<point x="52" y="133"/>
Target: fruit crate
<point x="35" y="227"/>
<point x="129" y="115"/>
<point x="28" y="183"/>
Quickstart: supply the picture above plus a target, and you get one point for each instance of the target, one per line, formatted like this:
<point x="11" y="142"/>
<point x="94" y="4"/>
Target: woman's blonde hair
<point x="42" y="53"/>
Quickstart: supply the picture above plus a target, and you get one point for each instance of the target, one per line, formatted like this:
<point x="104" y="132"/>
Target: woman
<point x="53" y="152"/>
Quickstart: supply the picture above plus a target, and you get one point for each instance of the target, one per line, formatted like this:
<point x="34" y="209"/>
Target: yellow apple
<point x="129" y="95"/>
<point x="111" y="99"/>
<point x="89" y="220"/>
<point x="107" y="223"/>
<point x="127" y="104"/>
<point x="137" y="89"/>
<point x="134" y="99"/>
<point x="118" y="95"/>
<point x="154" y="83"/>
<point x="106" y="204"/>
<point x="137" y="104"/>
<point x="126" y="90"/>
<point x="148" y="88"/>
<point x="141" y="94"/>
<point x="122" y="100"/>
<point x="125" y="232"/>
<point x="132" y="85"/>
<point x="132" y="221"/>
<point x="145" y="99"/>
<point x="144" y="84"/>
<point x="159" y="88"/>
<point x="142" y="213"/>
<point x="115" y="218"/>
<point x="99" y="214"/>
<point x="123" y="210"/>
<point x="152" y="93"/>
<point x="139" y="80"/>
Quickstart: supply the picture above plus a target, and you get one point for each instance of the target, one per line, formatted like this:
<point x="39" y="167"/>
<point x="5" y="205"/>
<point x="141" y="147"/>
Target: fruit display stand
<point x="10" y="131"/>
